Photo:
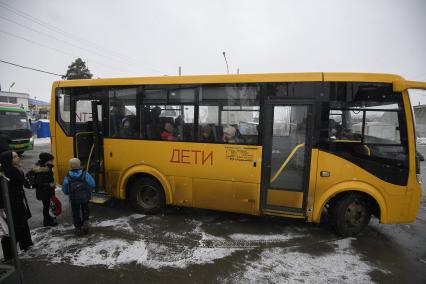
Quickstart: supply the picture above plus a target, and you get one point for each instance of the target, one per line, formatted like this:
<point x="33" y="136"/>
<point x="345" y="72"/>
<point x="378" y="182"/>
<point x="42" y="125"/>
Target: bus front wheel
<point x="350" y="214"/>
<point x="147" y="196"/>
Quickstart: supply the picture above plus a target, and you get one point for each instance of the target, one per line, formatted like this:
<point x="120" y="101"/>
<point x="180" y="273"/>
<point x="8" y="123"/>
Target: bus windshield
<point x="10" y="120"/>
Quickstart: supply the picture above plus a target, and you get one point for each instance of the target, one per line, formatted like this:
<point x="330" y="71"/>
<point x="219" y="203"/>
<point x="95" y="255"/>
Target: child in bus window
<point x="206" y="133"/>
<point x="167" y="133"/>
<point x="128" y="128"/>
<point x="229" y="134"/>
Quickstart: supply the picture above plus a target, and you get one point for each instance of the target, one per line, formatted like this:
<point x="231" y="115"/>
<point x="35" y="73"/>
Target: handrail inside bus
<point x="295" y="149"/>
<point x="90" y="157"/>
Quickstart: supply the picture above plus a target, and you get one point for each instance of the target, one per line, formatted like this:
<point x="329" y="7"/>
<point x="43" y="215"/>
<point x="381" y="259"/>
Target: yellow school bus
<point x="294" y="145"/>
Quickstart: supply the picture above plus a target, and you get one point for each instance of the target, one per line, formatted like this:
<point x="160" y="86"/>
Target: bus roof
<point x="11" y="109"/>
<point x="240" y="78"/>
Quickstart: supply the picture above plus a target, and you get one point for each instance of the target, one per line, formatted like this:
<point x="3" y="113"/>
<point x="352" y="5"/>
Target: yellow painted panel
<point x="216" y="166"/>
<point x="285" y="198"/>
<point x="64" y="152"/>
<point x="360" y="77"/>
<point x="226" y="195"/>
<point x="112" y="178"/>
<point x="183" y="159"/>
<point x="182" y="190"/>
<point x="208" y="79"/>
<point x="312" y="184"/>
<point x="395" y="201"/>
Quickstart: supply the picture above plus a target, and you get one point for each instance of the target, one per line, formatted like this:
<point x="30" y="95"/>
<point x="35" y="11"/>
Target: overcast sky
<point x="155" y="37"/>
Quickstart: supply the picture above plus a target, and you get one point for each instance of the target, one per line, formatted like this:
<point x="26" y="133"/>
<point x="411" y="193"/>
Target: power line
<point x="70" y="35"/>
<point x="55" y="38"/>
<point x="52" y="48"/>
<point x="30" y="68"/>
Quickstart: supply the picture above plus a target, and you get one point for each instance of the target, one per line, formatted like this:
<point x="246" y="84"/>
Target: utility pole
<point x="226" y="61"/>
<point x="180" y="70"/>
<point x="11" y="85"/>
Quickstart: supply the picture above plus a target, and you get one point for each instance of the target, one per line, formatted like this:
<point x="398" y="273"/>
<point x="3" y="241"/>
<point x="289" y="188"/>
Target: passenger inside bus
<point x="206" y="133"/>
<point x="229" y="133"/>
<point x="128" y="127"/>
<point x="167" y="133"/>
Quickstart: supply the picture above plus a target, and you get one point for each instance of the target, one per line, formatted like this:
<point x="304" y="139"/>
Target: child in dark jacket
<point x="44" y="184"/>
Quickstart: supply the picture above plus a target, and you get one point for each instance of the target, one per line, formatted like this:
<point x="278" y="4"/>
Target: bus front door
<point x="87" y="130"/>
<point x="286" y="158"/>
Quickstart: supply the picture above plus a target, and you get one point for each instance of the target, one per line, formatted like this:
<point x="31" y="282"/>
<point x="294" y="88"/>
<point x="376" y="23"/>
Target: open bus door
<point x="286" y="159"/>
<point x="87" y="129"/>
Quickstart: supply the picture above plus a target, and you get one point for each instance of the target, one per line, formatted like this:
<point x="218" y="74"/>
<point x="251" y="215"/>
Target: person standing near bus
<point x="10" y="165"/>
<point x="43" y="181"/>
<point x="4" y="143"/>
<point x="78" y="185"/>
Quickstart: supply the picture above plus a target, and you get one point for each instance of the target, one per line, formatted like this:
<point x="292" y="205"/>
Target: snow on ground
<point x="289" y="266"/>
<point x="132" y="240"/>
<point x="40" y="141"/>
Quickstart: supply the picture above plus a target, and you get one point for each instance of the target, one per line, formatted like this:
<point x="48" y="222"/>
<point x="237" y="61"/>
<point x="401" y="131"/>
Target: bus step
<point x="100" y="198"/>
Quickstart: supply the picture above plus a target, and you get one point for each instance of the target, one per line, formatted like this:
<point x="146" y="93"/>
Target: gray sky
<point x="155" y="37"/>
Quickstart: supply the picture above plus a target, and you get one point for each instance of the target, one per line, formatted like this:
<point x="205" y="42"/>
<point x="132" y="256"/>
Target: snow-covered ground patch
<point x="279" y="265"/>
<point x="135" y="240"/>
<point x="41" y="141"/>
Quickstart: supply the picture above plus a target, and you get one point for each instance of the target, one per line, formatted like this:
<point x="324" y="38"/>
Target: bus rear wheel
<point x="350" y="214"/>
<point x="147" y="196"/>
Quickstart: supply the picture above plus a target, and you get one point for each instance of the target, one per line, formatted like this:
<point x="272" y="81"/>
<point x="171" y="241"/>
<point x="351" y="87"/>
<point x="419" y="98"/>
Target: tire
<point x="350" y="214"/>
<point x="147" y="196"/>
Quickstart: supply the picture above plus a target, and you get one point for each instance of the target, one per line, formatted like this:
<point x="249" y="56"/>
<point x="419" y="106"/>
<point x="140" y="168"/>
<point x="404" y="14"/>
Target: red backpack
<point x="55" y="205"/>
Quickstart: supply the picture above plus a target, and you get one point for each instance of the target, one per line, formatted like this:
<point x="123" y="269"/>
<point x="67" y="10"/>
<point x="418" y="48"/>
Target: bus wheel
<point x="147" y="196"/>
<point x="350" y="214"/>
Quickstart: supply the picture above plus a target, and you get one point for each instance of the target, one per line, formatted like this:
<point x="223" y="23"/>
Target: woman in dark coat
<point x="44" y="184"/>
<point x="10" y="165"/>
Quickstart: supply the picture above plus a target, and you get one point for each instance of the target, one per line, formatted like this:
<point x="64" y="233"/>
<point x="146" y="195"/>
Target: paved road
<point x="194" y="246"/>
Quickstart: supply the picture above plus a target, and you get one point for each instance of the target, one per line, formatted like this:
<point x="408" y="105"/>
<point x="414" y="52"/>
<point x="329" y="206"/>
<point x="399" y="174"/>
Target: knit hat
<point x="74" y="163"/>
<point x="45" y="157"/>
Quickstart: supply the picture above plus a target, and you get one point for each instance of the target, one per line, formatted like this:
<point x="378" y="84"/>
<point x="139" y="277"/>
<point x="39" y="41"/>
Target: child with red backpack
<point x="78" y="185"/>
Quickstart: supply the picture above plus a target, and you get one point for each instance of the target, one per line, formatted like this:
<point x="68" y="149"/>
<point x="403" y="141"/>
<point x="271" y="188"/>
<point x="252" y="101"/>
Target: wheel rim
<point x="147" y="196"/>
<point x="355" y="214"/>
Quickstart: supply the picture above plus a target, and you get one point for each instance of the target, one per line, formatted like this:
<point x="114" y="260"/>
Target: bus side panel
<point x="394" y="201"/>
<point x="64" y="152"/>
<point x="195" y="171"/>
<point x="414" y="187"/>
<point x="226" y="196"/>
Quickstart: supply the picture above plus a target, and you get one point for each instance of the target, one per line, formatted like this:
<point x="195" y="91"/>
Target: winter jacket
<point x="43" y="182"/>
<point x="20" y="210"/>
<point x="76" y="174"/>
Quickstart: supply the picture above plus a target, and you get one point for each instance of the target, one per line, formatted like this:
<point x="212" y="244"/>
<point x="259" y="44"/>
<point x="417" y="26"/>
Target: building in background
<point x="420" y="115"/>
<point x="38" y="109"/>
<point x="20" y="99"/>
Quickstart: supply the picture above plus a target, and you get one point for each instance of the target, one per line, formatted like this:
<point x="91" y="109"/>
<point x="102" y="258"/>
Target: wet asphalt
<point x="201" y="246"/>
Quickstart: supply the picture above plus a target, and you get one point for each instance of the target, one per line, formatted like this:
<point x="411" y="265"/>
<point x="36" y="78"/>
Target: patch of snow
<point x="278" y="237"/>
<point x="59" y="245"/>
<point x="41" y="141"/>
<point x="283" y="266"/>
<point x="421" y="140"/>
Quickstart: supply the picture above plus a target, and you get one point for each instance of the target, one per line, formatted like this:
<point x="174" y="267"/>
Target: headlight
<point x="32" y="139"/>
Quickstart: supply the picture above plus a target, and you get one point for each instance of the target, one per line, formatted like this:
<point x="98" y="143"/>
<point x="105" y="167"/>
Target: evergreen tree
<point x="77" y="70"/>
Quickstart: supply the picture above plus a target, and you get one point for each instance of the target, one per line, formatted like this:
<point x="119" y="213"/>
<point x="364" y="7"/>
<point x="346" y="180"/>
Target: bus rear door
<point x="287" y="148"/>
<point x="87" y="130"/>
